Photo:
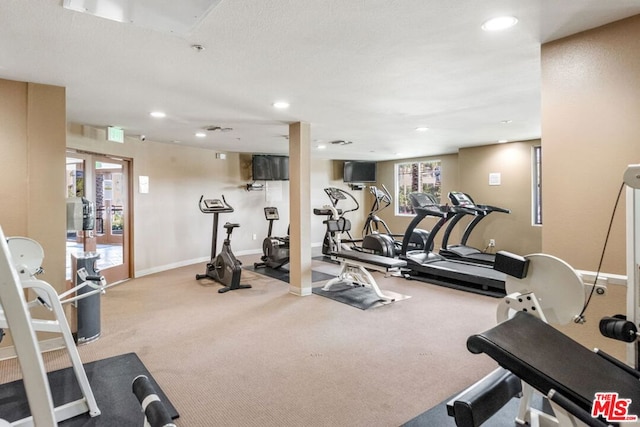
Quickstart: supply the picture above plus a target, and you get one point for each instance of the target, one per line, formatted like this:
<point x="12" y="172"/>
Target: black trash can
<point x="88" y="308"/>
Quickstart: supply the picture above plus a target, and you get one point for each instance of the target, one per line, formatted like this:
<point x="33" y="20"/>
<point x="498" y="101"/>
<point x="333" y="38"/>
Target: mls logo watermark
<point x="612" y="408"/>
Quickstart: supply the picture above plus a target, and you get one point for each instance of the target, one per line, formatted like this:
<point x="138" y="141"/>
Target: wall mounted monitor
<point x="359" y="171"/>
<point x="269" y="167"/>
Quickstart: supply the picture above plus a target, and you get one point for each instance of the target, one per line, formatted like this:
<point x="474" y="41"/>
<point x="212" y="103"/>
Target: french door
<point x="103" y="184"/>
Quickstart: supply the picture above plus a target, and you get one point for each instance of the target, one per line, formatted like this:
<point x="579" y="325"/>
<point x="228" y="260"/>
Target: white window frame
<point x="536" y="185"/>
<point x="429" y="179"/>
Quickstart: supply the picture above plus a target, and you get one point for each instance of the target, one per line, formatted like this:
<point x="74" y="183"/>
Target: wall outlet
<point x="255" y="237"/>
<point x="492" y="243"/>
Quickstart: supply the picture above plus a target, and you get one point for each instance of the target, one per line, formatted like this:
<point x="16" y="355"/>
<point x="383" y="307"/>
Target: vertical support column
<point x="633" y="269"/>
<point x="300" y="209"/>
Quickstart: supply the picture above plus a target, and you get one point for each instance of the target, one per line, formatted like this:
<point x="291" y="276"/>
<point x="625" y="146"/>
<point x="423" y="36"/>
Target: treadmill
<point x="434" y="268"/>
<point x="461" y="250"/>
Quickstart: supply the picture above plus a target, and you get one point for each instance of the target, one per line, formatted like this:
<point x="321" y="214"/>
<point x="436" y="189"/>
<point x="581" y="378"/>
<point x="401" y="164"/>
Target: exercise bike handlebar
<point x="214" y="205"/>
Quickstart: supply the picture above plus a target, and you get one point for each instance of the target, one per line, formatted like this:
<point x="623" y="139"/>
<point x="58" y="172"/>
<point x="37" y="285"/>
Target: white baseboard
<point x="171" y="266"/>
<point x="9" y="352"/>
<point x="300" y="292"/>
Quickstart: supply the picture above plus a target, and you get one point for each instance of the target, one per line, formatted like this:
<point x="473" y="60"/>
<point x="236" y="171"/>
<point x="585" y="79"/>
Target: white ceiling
<point x="366" y="71"/>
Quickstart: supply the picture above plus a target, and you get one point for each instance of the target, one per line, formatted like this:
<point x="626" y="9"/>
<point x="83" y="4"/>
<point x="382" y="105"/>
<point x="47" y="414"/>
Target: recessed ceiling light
<point x="157" y="114"/>
<point x="281" y="105"/>
<point x="499" y="23"/>
<point x="201" y="134"/>
<point x="321" y="147"/>
<point x="422" y="129"/>
<point x="502" y="141"/>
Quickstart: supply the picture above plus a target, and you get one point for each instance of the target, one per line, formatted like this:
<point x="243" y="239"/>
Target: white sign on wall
<point x="143" y="184"/>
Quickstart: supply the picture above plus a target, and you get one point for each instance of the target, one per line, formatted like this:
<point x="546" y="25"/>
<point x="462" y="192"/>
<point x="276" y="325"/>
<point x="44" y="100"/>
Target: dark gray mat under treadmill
<point x="110" y="381"/>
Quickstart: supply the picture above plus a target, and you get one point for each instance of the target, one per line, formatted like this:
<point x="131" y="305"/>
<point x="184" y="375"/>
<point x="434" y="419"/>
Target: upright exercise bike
<point x="275" y="250"/>
<point x="224" y="267"/>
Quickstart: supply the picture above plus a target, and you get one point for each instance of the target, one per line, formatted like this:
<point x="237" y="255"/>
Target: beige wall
<point x="513" y="232"/>
<point x="591" y="131"/>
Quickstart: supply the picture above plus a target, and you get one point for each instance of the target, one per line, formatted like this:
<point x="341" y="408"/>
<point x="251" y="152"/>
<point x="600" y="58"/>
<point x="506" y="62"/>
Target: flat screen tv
<point x="359" y="171"/>
<point x="269" y="167"/>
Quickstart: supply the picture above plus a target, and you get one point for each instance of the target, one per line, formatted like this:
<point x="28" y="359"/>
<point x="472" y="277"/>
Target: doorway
<point x="102" y="183"/>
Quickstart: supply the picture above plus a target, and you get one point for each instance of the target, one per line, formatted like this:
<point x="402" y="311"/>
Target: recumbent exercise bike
<point x="275" y="250"/>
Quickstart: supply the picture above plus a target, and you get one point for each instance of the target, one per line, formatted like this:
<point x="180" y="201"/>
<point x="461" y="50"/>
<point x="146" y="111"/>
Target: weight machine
<point x="580" y="385"/>
<point x="20" y="261"/>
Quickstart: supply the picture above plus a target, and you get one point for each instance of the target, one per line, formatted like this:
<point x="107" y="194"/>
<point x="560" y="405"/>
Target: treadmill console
<point x="271" y="213"/>
<point x="421" y="200"/>
<point x="460" y="199"/>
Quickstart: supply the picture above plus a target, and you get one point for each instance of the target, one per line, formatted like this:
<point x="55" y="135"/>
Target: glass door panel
<point x="104" y="183"/>
<point x="112" y="211"/>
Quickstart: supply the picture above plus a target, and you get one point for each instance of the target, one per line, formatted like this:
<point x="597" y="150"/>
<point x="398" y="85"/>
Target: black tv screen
<point x="268" y="167"/>
<point x="359" y="171"/>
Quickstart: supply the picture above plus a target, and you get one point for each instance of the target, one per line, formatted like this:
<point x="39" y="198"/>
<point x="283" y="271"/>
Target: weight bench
<point x="566" y="372"/>
<point x="354" y="269"/>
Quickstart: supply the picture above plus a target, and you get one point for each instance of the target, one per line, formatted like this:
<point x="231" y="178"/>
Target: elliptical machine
<point x="275" y="250"/>
<point x="341" y="226"/>
<point x="224" y="267"/>
<point x="377" y="238"/>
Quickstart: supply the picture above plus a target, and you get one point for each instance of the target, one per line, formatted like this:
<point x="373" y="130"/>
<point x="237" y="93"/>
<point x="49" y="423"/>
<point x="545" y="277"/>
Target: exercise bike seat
<point x="231" y="226"/>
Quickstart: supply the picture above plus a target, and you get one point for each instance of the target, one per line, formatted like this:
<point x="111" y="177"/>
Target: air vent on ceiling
<point x="341" y="142"/>
<point x="218" y="129"/>
<point x="175" y="17"/>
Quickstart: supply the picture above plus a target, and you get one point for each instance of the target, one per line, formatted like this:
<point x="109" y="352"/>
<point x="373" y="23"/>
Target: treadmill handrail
<point x="490" y="209"/>
<point x="428" y="208"/>
<point x="481" y="213"/>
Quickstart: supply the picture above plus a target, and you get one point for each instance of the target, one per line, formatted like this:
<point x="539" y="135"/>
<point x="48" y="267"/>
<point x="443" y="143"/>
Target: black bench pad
<point x="483" y="399"/>
<point x="547" y="359"/>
